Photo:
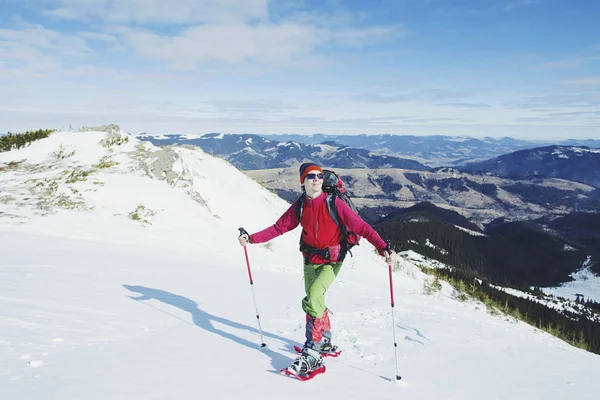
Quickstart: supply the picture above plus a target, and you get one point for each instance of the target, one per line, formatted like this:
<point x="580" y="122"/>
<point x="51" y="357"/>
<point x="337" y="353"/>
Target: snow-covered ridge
<point x="78" y="171"/>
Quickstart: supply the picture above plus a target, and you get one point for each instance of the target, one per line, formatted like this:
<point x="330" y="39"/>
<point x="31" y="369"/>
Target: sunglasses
<point x="313" y="176"/>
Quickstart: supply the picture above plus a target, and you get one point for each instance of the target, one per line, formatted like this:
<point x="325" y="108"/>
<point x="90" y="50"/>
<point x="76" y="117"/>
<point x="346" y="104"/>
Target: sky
<point x="527" y="69"/>
<point x="108" y="307"/>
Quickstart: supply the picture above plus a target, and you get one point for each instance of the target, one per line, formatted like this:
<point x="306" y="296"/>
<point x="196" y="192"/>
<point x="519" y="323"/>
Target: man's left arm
<point x="356" y="224"/>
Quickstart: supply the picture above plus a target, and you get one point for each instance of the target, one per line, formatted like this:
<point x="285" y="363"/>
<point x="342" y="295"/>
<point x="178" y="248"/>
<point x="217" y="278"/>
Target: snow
<point x="325" y="150"/>
<point x="190" y="136"/>
<point x="569" y="248"/>
<point x="560" y="154"/>
<point x="458" y="139"/>
<point x="433" y="246"/>
<point x="158" y="136"/>
<point x="580" y="150"/>
<point x="550" y="301"/>
<point x="289" y="144"/>
<point x="584" y="282"/>
<point x="95" y="305"/>
<point x="469" y="231"/>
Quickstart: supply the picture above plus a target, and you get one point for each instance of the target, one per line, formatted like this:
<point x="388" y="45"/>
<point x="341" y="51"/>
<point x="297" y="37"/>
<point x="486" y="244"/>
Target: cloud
<point x="584" y="81"/>
<point x="34" y="49"/>
<point x="465" y="105"/>
<point x="38" y="37"/>
<point x="161" y="12"/>
<point x="575" y="114"/>
<point x="569" y="63"/>
<point x="550" y="102"/>
<point x="418" y="95"/>
<point x="270" y="44"/>
<point x="362" y="36"/>
<point x="230" y="44"/>
<point x="233" y="32"/>
<point x="574" y="117"/>
<point x="520" y="4"/>
<point x="380" y="98"/>
<point x="102" y="37"/>
<point x="232" y="106"/>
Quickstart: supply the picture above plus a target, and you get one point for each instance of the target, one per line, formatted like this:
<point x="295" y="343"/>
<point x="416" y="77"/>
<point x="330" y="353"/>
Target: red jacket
<point x="319" y="230"/>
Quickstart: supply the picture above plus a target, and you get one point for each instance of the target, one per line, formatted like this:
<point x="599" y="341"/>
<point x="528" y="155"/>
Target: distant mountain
<point x="249" y="152"/>
<point x="578" y="164"/>
<point x="435" y="150"/>
<point x="479" y="198"/>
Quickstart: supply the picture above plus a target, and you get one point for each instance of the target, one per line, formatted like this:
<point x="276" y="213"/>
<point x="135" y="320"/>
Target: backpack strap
<point x="335" y="216"/>
<point x="300" y="206"/>
<point x="332" y="208"/>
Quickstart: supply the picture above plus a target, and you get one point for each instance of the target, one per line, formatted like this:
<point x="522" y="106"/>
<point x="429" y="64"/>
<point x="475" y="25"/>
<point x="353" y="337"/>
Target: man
<point x="324" y="251"/>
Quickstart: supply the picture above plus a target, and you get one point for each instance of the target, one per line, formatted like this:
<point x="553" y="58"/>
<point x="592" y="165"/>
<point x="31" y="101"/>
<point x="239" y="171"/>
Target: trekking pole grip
<point x="389" y="244"/>
<point x="243" y="232"/>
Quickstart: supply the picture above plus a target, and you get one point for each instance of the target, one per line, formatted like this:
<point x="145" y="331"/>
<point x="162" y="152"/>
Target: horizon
<point x="197" y="134"/>
<point x="525" y="69"/>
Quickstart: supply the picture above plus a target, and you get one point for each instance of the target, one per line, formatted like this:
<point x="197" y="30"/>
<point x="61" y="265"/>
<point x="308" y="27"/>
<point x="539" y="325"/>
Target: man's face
<point x="312" y="182"/>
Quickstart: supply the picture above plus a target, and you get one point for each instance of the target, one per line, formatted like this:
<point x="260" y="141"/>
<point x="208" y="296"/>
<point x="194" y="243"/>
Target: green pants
<point x="317" y="279"/>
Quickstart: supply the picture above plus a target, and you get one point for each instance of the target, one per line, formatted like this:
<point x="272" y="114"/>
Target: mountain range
<point x="578" y="164"/>
<point x="481" y="198"/>
<point x="247" y="152"/>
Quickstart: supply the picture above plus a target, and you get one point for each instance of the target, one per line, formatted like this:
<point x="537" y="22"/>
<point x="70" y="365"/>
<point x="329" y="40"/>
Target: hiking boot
<point x="308" y="361"/>
<point x="329" y="349"/>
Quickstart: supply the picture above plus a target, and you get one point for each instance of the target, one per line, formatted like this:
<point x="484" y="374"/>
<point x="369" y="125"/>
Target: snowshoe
<point x="307" y="366"/>
<point x="332" y="351"/>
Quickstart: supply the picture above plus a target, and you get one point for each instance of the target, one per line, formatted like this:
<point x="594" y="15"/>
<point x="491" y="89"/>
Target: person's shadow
<point x="204" y="320"/>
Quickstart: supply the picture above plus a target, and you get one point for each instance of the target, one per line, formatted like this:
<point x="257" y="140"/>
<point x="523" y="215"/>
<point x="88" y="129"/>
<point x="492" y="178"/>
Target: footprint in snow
<point x="35" y="363"/>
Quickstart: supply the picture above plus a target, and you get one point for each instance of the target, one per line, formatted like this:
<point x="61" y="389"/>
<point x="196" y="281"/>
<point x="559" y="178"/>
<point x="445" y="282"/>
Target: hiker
<point x="324" y="247"/>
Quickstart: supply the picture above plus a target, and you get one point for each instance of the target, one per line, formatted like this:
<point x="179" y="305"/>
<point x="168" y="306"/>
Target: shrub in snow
<point x="431" y="285"/>
<point x="105" y="162"/>
<point x="62" y="153"/>
<point x="141" y="214"/>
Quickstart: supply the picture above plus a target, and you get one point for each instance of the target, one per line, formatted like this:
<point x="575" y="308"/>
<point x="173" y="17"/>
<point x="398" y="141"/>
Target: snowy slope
<point x="96" y="305"/>
<point x="585" y="283"/>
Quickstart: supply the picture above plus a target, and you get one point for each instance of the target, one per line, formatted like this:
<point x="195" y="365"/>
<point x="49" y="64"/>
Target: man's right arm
<point x="287" y="222"/>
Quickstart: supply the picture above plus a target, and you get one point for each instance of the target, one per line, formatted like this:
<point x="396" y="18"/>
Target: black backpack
<point x="333" y="187"/>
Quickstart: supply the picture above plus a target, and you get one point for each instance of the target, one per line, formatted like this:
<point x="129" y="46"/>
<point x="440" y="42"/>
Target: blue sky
<point x="521" y="68"/>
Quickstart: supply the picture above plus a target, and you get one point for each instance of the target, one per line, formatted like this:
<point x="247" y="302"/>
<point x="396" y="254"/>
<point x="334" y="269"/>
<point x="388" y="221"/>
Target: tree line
<point x="12" y="141"/>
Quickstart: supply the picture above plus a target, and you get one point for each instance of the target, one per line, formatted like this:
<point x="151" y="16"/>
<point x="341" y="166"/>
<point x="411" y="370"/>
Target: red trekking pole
<point x="398" y="377"/>
<point x="262" y="340"/>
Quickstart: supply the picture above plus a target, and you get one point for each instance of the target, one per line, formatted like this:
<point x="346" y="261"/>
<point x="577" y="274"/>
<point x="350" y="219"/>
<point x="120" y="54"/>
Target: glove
<point x="244" y="239"/>
<point x="390" y="257"/>
<point x="388" y="254"/>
